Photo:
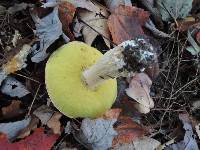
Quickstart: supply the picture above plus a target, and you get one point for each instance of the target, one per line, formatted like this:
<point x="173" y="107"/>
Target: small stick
<point x="29" y="111"/>
<point x="26" y="77"/>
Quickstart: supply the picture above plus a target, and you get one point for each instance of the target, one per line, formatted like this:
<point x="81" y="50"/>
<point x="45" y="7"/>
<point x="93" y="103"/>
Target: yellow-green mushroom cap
<point x="67" y="91"/>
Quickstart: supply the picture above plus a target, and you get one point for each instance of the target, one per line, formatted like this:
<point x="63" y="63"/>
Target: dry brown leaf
<point x="139" y="89"/>
<point x="127" y="130"/>
<point x="54" y="123"/>
<point x="96" y="24"/>
<point x="126" y="22"/>
<point x="26" y="131"/>
<point x="66" y="15"/>
<point x="12" y="108"/>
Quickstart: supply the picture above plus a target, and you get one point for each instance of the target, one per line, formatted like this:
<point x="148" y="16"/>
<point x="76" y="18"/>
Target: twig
<point x="29" y="111"/>
<point x="27" y="77"/>
<point x="185" y="86"/>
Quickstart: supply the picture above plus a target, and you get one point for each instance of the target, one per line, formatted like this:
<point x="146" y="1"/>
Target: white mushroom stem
<point x="119" y="62"/>
<point x="105" y="68"/>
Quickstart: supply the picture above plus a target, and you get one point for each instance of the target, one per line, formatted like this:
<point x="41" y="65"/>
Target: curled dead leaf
<point x="139" y="89"/>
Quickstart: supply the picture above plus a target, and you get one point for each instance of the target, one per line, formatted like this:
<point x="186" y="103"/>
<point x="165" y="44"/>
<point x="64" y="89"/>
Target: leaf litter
<point x="154" y="98"/>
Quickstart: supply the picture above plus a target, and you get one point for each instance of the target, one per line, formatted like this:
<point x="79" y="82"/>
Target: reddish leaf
<point x="37" y="141"/>
<point x="126" y="22"/>
<point x="66" y="14"/>
<point x="128" y="131"/>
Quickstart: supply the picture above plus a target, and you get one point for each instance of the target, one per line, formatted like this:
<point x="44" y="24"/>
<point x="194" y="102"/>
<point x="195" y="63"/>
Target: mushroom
<point x="81" y="82"/>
